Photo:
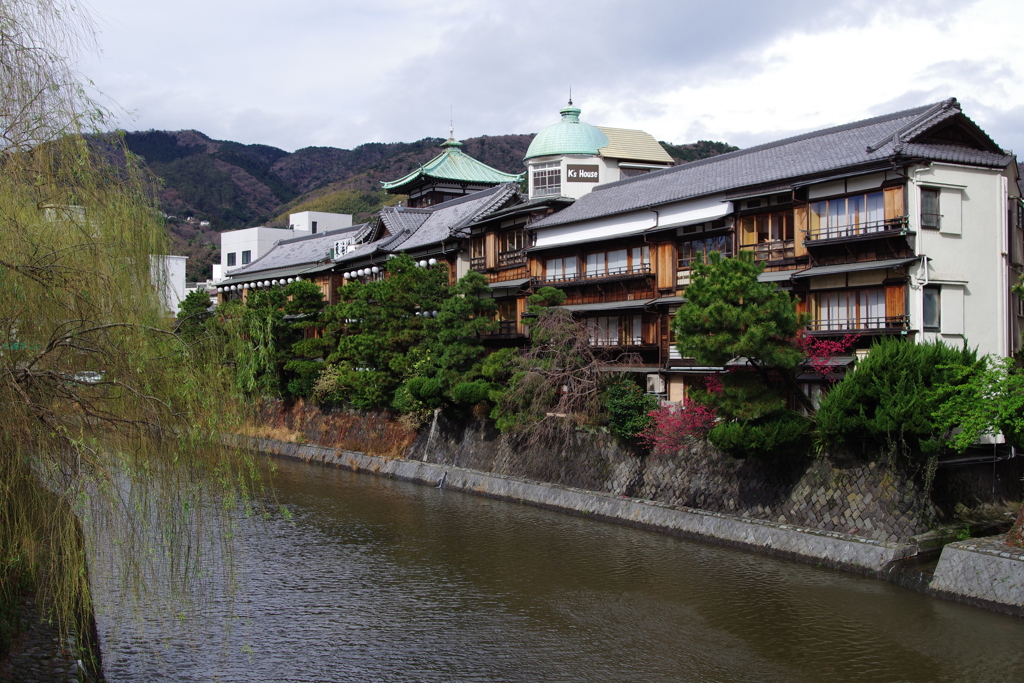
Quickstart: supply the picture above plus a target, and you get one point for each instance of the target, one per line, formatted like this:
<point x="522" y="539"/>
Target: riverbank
<point x="40" y="655"/>
<point x="953" y="579"/>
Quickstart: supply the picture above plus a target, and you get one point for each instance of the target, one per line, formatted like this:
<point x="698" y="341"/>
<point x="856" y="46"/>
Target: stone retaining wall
<point x="982" y="571"/>
<point x="850" y="497"/>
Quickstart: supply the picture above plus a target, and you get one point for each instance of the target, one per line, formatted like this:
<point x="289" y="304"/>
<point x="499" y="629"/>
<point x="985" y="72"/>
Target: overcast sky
<point x="297" y="73"/>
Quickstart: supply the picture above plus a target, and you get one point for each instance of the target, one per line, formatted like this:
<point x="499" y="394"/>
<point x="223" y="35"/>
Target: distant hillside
<point x="231" y="185"/>
<point x="694" y="151"/>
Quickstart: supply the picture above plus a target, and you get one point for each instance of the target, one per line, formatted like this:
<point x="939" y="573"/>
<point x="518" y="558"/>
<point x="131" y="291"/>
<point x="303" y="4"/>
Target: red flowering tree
<point x="673" y="428"/>
<point x="819" y="352"/>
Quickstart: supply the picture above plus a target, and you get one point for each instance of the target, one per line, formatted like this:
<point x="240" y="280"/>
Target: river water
<point x="378" y="580"/>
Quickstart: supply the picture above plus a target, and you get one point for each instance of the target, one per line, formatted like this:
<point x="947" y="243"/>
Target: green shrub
<point x="891" y="397"/>
<point x="628" y="408"/>
<point x="780" y="435"/>
<point x="471" y="393"/>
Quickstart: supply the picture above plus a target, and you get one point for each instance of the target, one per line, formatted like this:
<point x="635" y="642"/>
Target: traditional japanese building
<point x="438" y="233"/>
<point x="564" y="161"/>
<point x="307" y="257"/>
<point x="907" y="224"/>
<point x="451" y="174"/>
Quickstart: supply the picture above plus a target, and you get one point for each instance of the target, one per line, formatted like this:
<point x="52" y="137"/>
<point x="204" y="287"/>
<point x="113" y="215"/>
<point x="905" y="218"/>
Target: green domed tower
<point x="571" y="157"/>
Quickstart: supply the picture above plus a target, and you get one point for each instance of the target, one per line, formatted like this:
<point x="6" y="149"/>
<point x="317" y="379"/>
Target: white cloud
<point x="315" y="72"/>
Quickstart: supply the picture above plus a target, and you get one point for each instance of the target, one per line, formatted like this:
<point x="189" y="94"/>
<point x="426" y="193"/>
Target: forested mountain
<point x="702" y="149"/>
<point x="232" y="185"/>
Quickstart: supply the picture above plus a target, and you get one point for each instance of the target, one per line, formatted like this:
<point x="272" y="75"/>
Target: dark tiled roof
<point x="859" y="144"/>
<point x="297" y="251"/>
<point x="446" y="220"/>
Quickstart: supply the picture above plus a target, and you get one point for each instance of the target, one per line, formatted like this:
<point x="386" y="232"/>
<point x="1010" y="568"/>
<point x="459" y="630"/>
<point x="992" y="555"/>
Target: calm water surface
<point x="377" y="580"/>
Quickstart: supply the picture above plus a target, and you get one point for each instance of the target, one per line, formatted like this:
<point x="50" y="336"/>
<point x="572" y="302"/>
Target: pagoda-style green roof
<point x="452" y="164"/>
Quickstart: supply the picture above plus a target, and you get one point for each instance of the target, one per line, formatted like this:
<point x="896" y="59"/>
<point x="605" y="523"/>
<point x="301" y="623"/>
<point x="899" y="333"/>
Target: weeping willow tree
<point x="107" y="418"/>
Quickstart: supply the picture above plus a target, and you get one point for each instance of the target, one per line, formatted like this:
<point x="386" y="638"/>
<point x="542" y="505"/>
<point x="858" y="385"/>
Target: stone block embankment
<point x="982" y="571"/>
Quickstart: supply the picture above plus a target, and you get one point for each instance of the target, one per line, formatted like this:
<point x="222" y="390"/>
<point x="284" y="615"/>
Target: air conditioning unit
<point x="655" y="384"/>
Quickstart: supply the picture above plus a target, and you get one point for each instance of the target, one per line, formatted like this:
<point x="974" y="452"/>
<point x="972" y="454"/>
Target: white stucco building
<point x="314" y="222"/>
<point x="168" y="276"/>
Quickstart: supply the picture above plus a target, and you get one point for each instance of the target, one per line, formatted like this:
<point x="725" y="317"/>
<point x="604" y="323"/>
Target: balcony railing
<point x="506" y="328"/>
<point x="477" y="263"/>
<point x="625" y="271"/>
<point x="880" y="324"/>
<point x="511" y="258"/>
<point x="859" y="230"/>
<point x="618" y="341"/>
<point x="775" y="250"/>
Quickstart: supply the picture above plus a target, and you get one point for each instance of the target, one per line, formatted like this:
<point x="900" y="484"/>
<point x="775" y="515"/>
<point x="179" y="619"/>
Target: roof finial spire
<point x="451" y="144"/>
<point x="570" y="94"/>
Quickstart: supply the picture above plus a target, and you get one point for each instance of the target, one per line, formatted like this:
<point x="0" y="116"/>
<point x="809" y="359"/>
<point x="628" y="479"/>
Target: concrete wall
<point x="303" y="221"/>
<point x="982" y="571"/>
<point x="828" y="494"/>
<point x="258" y="241"/>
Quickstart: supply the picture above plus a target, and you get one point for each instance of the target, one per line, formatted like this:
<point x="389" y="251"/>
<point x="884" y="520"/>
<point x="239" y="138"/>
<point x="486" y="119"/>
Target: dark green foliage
<point x="694" y="151"/>
<point x="891" y="397"/>
<point x="380" y="332"/>
<point x="627" y="406"/>
<point x="783" y="435"/>
<point x="499" y="366"/>
<point x="193" y="312"/>
<point x="729" y="314"/>
<point x="471" y="393"/>
<point x="743" y="394"/>
<point x="303" y="356"/>
<point x="545" y="297"/>
<point x="237" y="155"/>
<point x="452" y="353"/>
<point x="206" y="189"/>
<point x="426" y="390"/>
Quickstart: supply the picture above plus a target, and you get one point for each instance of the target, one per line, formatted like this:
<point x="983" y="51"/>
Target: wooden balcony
<point x="511" y="258"/>
<point x="621" y="342"/>
<point x="623" y="273"/>
<point x="506" y="328"/>
<point x="775" y="250"/>
<point x="888" y="324"/>
<point x="859" y="231"/>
